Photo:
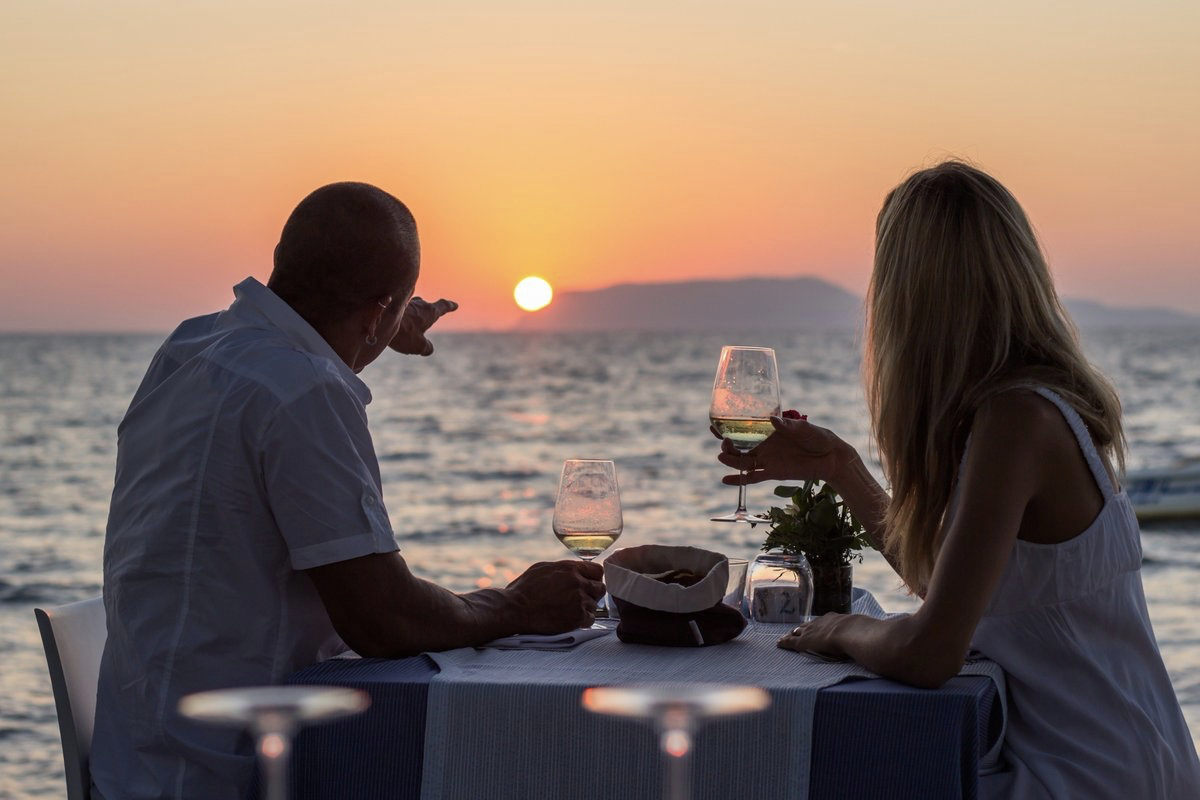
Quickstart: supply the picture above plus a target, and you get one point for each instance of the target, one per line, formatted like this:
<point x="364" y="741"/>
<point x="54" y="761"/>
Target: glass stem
<point x="675" y="742"/>
<point x="601" y="604"/>
<point x="274" y="754"/>
<point x="741" y="507"/>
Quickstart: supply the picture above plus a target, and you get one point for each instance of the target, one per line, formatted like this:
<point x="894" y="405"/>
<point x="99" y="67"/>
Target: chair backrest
<point x="73" y="637"/>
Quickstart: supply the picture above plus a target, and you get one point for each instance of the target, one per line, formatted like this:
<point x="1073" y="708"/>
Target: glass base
<point x="742" y="516"/>
<point x="696" y="701"/>
<point x="248" y="705"/>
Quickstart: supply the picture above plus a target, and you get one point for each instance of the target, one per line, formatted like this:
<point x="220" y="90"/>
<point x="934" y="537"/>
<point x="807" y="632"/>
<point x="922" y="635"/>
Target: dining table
<point x="493" y="722"/>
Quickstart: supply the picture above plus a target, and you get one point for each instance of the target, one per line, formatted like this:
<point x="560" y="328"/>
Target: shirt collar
<point x="251" y="296"/>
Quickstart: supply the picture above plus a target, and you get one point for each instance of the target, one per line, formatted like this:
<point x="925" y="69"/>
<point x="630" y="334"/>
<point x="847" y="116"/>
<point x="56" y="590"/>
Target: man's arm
<point x="380" y="609"/>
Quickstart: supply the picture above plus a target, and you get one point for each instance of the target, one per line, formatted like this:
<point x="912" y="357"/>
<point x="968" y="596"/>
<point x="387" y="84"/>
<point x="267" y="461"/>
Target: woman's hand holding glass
<point x="797" y="450"/>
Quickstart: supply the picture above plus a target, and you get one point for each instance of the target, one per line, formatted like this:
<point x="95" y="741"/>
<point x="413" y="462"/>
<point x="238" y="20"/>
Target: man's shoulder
<point x="195" y="327"/>
<point x="277" y="364"/>
<point x="252" y="355"/>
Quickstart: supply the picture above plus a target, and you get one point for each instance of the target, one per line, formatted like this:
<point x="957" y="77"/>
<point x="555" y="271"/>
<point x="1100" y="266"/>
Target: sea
<point x="471" y="442"/>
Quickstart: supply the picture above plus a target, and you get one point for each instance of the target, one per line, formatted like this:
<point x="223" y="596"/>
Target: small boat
<point x="1166" y="493"/>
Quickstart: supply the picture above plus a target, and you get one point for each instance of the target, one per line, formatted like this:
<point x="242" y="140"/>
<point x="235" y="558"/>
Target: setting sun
<point x="533" y="293"/>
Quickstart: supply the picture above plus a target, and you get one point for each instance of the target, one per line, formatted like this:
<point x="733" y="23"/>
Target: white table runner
<point x="527" y="705"/>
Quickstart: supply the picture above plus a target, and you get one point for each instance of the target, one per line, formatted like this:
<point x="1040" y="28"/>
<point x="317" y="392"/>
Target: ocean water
<point x="471" y="442"/>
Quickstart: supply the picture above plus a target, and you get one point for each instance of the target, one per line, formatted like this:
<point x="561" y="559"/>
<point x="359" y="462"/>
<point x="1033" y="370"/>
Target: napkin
<point x="671" y="595"/>
<point x="551" y="641"/>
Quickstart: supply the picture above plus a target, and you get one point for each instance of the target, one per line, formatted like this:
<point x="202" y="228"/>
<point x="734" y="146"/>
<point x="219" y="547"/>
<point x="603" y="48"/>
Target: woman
<point x="1005" y="515"/>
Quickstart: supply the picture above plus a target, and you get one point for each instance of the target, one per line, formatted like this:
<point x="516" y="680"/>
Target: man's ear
<point x="372" y="313"/>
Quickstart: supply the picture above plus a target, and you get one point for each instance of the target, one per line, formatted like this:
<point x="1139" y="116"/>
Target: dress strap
<point x="1083" y="437"/>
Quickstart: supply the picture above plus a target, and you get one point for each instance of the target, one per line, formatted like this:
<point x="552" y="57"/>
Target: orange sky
<point x="150" y="154"/>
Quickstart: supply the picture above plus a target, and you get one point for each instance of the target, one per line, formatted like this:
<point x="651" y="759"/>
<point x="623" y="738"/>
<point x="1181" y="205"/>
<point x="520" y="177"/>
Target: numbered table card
<point x="779" y="604"/>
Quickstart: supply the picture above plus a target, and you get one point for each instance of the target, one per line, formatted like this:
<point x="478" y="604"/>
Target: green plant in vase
<point x="817" y="524"/>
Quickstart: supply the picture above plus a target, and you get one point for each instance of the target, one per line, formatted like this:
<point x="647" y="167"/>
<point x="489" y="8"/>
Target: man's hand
<point x="418" y="317"/>
<point x="557" y="596"/>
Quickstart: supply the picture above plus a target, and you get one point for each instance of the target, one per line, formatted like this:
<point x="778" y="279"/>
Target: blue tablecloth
<point x="871" y="738"/>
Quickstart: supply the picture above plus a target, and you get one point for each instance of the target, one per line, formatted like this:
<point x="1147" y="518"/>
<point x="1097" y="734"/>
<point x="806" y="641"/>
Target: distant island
<point x="763" y="304"/>
<point x="747" y="304"/>
<point x="1097" y="316"/>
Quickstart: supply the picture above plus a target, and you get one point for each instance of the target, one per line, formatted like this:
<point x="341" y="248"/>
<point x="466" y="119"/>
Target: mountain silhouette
<point x="1091" y="315"/>
<point x="793" y="304"/>
<point x="748" y="304"/>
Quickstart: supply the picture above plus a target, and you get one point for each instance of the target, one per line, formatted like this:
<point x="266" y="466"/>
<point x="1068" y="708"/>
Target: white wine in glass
<point x="587" y="513"/>
<point x="745" y="397"/>
<point x="587" y="545"/>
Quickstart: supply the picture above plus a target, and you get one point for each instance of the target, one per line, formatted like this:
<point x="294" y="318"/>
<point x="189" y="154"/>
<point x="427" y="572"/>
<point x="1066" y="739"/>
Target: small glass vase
<point x="833" y="588"/>
<point x="780" y="588"/>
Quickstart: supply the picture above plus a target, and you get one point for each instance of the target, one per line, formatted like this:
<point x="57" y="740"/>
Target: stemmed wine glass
<point x="745" y="397"/>
<point x="587" y="513"/>
<point x="676" y="712"/>
<point x="273" y="714"/>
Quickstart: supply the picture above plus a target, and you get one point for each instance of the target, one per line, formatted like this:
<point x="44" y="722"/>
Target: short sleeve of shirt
<point x="322" y="479"/>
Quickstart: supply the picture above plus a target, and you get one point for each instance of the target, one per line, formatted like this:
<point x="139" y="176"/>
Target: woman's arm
<point x="867" y="501"/>
<point x="1016" y="447"/>
<point x="799" y="450"/>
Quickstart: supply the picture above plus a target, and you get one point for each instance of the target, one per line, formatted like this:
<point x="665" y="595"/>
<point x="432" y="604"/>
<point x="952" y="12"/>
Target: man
<point x="247" y="535"/>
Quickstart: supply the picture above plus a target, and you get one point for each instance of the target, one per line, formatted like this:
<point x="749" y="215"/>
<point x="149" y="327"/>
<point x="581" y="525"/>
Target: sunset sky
<point x="151" y="151"/>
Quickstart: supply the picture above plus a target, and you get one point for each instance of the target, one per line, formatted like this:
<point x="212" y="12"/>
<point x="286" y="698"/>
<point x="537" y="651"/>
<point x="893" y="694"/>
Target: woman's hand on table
<point x="557" y="596"/>
<point x="818" y="637"/>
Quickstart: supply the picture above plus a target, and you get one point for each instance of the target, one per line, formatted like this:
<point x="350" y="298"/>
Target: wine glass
<point x="273" y="714"/>
<point x="676" y="712"/>
<point x="587" y="513"/>
<point x="745" y="397"/>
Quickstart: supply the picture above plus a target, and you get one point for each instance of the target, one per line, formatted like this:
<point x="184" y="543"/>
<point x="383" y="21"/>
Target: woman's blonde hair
<point x="961" y="306"/>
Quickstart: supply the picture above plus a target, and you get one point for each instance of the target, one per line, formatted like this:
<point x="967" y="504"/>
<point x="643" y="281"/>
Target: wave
<point x="455" y="531"/>
<point x="498" y="475"/>
<point x="401" y="455"/>
<point x="35" y="593"/>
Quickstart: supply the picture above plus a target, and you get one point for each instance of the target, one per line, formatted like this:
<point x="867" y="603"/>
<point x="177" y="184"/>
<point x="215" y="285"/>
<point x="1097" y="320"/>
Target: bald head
<point x="345" y="246"/>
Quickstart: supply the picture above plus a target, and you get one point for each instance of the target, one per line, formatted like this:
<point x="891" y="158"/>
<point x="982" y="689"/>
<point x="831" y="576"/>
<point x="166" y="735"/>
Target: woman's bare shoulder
<point x="1020" y="413"/>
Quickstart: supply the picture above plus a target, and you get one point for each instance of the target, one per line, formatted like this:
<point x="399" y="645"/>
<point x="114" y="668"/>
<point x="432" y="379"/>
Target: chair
<point x="73" y="636"/>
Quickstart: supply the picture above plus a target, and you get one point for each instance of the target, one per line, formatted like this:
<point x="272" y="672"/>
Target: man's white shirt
<point x="244" y="458"/>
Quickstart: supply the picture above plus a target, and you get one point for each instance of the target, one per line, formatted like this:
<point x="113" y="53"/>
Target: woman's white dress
<point x="1091" y="709"/>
